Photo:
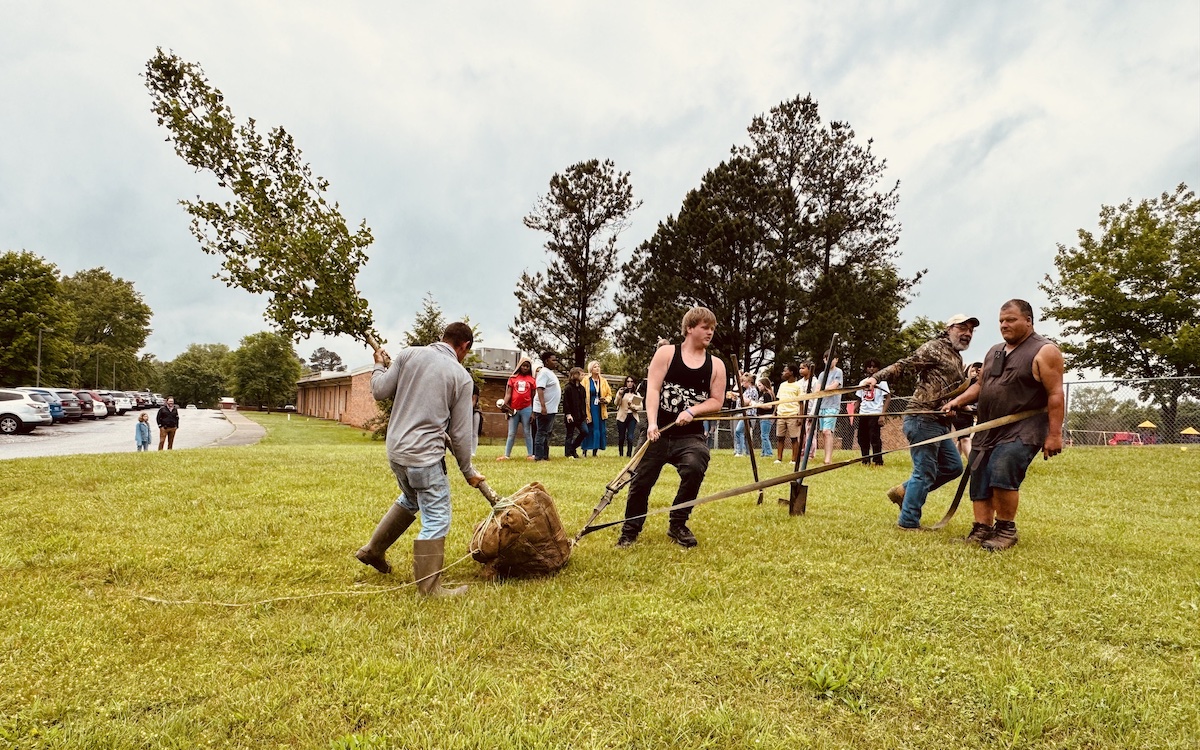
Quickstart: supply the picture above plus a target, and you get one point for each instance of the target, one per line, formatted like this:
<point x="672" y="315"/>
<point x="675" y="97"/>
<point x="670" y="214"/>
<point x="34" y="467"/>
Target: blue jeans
<point x="627" y="431"/>
<point x="520" y="416"/>
<point x="541" y="443"/>
<point x="425" y="490"/>
<point x="764" y="430"/>
<point x="933" y="466"/>
<point x="739" y="438"/>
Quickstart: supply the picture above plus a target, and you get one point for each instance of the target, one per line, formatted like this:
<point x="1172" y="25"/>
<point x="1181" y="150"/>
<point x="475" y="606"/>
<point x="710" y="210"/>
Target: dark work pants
<point x="689" y="455"/>
<point x="541" y="438"/>
<point x="869" y="440"/>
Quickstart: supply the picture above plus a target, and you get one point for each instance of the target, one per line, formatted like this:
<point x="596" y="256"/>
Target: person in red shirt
<point x="518" y="403"/>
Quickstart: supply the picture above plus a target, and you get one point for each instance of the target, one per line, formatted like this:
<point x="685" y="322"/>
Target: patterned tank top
<point x="683" y="388"/>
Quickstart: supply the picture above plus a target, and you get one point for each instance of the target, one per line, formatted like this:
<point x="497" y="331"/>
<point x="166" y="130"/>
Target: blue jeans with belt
<point x="933" y="465"/>
<point x="425" y="490"/>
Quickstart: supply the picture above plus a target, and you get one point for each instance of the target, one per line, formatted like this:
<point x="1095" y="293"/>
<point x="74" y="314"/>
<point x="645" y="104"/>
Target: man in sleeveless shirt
<point x="685" y="382"/>
<point x="938" y="366"/>
<point x="1023" y="373"/>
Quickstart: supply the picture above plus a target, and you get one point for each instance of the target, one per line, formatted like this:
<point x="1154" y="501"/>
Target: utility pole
<point x="38" y="383"/>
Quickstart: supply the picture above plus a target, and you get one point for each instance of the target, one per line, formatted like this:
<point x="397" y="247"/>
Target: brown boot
<point x="394" y="523"/>
<point x="896" y="494"/>
<point x="1004" y="537"/>
<point x="428" y="556"/>
<point x="980" y="533"/>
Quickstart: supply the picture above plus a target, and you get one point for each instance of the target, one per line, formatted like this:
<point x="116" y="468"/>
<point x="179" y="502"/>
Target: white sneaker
<point x="778" y="461"/>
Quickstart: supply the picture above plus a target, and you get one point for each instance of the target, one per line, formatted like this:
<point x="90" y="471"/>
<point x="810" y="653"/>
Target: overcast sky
<point x="1008" y="125"/>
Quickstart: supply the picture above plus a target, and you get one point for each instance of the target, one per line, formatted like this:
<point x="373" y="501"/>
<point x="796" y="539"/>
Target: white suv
<point x="21" y="411"/>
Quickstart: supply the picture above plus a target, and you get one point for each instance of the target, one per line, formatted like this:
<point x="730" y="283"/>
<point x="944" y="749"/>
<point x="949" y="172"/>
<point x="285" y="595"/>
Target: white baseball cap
<point x="958" y="319"/>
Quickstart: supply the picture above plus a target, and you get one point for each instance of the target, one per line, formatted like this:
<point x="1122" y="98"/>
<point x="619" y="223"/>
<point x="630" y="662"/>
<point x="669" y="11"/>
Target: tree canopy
<point x="1128" y="298"/>
<point x="280" y="235"/>
<point x="567" y="309"/>
<point x="324" y="360"/>
<point x="199" y="375"/>
<point x="789" y="241"/>
<point x="112" y="325"/>
<point x="30" y="301"/>
<point x="264" y="369"/>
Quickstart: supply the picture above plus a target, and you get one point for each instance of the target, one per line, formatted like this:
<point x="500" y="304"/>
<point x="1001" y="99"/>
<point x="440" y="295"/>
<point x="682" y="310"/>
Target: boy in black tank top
<point x="684" y="383"/>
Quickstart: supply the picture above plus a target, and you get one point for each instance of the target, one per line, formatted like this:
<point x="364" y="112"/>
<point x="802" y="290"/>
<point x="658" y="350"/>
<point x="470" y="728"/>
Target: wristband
<point x="689" y="411"/>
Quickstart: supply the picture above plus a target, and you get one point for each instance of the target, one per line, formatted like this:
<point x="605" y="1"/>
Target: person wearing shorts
<point x="1024" y="373"/>
<point x="830" y="407"/>
<point x="788" y="423"/>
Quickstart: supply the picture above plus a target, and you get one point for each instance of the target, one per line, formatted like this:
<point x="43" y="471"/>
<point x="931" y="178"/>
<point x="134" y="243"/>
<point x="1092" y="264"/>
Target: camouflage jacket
<point x="939" y="370"/>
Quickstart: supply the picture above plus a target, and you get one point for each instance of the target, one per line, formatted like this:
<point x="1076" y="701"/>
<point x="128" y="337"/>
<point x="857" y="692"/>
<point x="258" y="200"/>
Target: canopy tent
<point x="1147" y="425"/>
<point x="1189" y="431"/>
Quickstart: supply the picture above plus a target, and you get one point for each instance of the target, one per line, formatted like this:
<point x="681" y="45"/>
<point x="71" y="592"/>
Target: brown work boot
<point x="394" y="523"/>
<point x="980" y="533"/>
<point x="428" y="556"/>
<point x="896" y="494"/>
<point x="1003" y="537"/>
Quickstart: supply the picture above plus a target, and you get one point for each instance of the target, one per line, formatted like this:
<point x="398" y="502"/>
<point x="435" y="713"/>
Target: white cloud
<point x="1008" y="126"/>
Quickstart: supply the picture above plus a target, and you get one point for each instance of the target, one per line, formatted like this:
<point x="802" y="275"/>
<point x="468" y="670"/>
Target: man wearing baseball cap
<point x="938" y="367"/>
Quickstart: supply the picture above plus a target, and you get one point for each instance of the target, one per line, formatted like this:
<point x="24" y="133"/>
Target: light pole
<point x="38" y="383"/>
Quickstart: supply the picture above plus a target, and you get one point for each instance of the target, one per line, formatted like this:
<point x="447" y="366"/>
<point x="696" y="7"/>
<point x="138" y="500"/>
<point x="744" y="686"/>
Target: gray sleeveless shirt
<point x="1012" y="390"/>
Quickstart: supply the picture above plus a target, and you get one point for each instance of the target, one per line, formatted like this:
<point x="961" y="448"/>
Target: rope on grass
<point x="261" y="602"/>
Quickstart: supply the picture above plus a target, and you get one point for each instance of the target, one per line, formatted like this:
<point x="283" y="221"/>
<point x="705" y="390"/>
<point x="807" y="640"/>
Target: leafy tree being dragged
<point x="1129" y="299"/>
<point x="567" y="309"/>
<point x="280" y="235"/>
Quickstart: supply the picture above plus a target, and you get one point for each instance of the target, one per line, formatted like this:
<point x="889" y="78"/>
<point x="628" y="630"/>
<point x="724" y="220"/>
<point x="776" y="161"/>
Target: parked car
<point x="21" y="411"/>
<point x="53" y="401"/>
<point x="122" y="401"/>
<point x="93" y="407"/>
<point x="159" y="399"/>
<point x="70" y="403"/>
<point x="110" y="401"/>
<point x="105" y="403"/>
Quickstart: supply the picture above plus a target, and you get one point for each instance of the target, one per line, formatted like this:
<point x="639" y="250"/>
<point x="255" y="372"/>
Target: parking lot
<point x="198" y="428"/>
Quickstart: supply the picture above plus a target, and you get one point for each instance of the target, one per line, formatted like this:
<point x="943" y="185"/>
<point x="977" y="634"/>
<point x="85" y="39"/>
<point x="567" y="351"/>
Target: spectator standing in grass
<point x="830" y="406"/>
<point x="1023" y="373"/>
<point x="765" y="423"/>
<point x="747" y="399"/>
<point x="938" y="367"/>
<point x="549" y="392"/>
<point x="627" y="419"/>
<point x="788" y="425"/>
<point x="873" y="405"/>
<point x="432" y="393"/>
<point x="141" y="433"/>
<point x="599" y="396"/>
<point x="518" y="400"/>
<point x="684" y="382"/>
<point x="574" y="412"/>
<point x="168" y="423"/>
<point x="476" y="419"/>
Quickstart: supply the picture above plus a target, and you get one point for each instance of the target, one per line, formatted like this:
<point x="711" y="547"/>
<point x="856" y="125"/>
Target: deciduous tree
<point x="567" y="308"/>
<point x="111" y="318"/>
<point x="30" y="302"/>
<point x="198" y="376"/>
<point x="1128" y="298"/>
<point x="280" y="235"/>
<point x="264" y="370"/>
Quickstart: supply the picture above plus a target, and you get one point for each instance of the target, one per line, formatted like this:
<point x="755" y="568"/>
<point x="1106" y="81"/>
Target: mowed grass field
<point x="823" y="631"/>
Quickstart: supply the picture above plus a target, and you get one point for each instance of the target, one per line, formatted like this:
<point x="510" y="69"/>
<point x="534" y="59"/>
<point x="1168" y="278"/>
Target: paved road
<point x="198" y="428"/>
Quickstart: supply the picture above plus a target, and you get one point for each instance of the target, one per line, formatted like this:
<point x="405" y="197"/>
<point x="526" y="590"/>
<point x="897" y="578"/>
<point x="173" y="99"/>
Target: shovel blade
<point x="798" y="501"/>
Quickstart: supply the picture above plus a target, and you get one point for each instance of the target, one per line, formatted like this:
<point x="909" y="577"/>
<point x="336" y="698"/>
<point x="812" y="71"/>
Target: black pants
<point x="541" y="438"/>
<point x="869" y="440"/>
<point x="627" y="435"/>
<point x="689" y="455"/>
<point x="577" y="432"/>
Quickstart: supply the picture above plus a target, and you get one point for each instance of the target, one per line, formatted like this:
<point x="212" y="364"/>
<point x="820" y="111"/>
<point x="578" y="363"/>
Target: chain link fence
<point x="1132" y="412"/>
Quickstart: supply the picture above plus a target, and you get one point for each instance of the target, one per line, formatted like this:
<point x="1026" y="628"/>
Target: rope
<point x="785" y="478"/>
<point x="260" y="602"/>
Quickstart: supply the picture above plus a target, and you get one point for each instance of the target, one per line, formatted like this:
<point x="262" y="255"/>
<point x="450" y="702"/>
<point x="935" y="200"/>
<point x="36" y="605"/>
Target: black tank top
<point x="683" y="388"/>
<point x="1013" y="390"/>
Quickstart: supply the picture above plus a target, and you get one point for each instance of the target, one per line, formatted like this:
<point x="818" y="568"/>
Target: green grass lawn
<point x="828" y="630"/>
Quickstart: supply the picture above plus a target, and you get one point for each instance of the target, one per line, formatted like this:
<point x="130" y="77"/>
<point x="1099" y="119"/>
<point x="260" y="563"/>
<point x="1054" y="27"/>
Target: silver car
<point x="21" y="411"/>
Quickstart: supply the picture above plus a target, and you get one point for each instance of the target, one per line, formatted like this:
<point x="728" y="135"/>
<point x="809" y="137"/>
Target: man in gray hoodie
<point x="432" y="393"/>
